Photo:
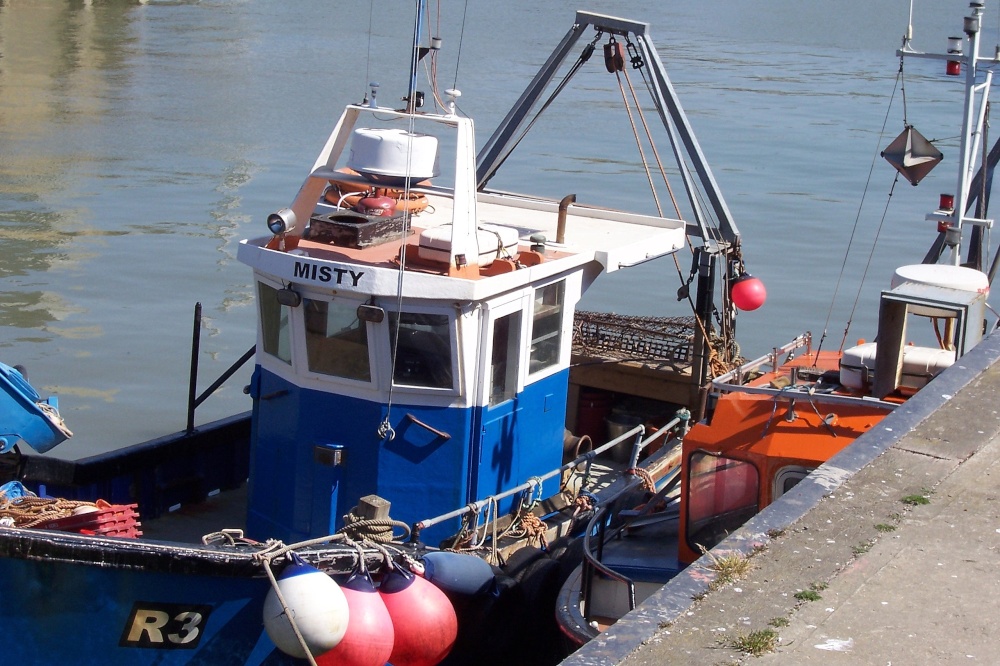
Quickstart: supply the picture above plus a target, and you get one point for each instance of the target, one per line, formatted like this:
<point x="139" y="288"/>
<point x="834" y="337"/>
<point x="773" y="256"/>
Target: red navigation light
<point x="954" y="67"/>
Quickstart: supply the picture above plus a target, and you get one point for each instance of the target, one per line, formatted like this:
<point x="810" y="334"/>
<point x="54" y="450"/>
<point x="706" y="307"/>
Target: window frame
<point x="289" y="329"/>
<point x="565" y="334"/>
<point x="387" y="348"/>
<point x="372" y="341"/>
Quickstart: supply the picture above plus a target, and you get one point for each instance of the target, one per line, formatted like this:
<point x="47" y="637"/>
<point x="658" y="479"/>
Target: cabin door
<point x="496" y="459"/>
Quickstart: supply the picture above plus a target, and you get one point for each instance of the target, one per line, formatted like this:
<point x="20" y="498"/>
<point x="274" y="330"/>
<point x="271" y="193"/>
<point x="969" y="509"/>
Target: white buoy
<point x="315" y="602"/>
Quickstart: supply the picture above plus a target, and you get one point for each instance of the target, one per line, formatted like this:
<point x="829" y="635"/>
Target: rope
<point x="638" y="143"/>
<point x="288" y="613"/>
<point x="652" y="145"/>
<point x="376" y="530"/>
<point x="534" y="529"/>
<point x="32" y="511"/>
<point x="644" y="476"/>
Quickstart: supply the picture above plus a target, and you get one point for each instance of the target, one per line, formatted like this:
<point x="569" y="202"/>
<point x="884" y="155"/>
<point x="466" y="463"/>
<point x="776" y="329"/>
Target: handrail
<point x="800" y="393"/>
<point x="588" y="457"/>
<point x="590" y="562"/>
<point x="730" y="381"/>
<point x="725" y="382"/>
<point x="532" y="483"/>
<point x="194" y="401"/>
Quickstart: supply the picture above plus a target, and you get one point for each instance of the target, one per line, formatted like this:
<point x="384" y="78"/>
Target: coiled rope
<point x="32" y="511"/>
<point x="377" y="530"/>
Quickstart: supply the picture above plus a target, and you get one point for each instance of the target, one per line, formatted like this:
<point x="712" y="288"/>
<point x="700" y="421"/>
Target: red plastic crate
<point x="121" y="520"/>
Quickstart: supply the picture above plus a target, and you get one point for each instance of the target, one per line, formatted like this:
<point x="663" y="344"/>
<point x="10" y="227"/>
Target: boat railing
<point x="732" y="381"/>
<point x="593" y="563"/>
<point x="195" y="400"/>
<point x="639" y="445"/>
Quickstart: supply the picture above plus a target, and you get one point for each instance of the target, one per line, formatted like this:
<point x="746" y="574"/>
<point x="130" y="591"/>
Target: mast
<point x="972" y="130"/>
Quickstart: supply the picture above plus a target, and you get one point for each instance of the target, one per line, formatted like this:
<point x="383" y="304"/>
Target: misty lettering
<point x="327" y="274"/>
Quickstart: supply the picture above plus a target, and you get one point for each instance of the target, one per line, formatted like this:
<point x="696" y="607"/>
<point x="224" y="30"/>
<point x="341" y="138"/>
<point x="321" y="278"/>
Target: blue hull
<point x="299" y="491"/>
<point x="71" y="599"/>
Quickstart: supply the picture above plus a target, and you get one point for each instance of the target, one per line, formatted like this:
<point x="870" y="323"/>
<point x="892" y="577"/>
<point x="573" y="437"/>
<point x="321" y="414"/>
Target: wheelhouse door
<point x="495" y="460"/>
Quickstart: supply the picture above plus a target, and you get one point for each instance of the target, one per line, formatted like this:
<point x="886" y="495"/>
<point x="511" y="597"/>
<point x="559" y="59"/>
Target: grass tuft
<point x="756" y="643"/>
<point x="727" y="568"/>
<point x="914" y="500"/>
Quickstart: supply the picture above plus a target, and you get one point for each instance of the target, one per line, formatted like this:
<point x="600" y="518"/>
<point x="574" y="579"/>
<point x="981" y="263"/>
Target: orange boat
<point x="771" y="422"/>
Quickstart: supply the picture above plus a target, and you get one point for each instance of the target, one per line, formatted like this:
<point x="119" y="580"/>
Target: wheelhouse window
<point x="336" y="340"/>
<point x="422" y="349"/>
<point x="274" y="323"/>
<point x="722" y="496"/>
<point x="546" y="326"/>
<point x="505" y="358"/>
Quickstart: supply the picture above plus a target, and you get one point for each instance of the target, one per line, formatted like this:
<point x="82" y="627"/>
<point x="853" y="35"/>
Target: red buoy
<point x="370" y="636"/>
<point x="423" y="619"/>
<point x="377" y="206"/>
<point x="748" y="293"/>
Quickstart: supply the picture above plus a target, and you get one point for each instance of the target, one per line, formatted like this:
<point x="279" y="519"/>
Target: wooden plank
<point x="666" y="384"/>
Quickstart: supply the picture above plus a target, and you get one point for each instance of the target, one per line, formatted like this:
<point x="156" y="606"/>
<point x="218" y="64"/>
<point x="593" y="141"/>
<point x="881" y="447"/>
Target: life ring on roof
<point x="349" y="193"/>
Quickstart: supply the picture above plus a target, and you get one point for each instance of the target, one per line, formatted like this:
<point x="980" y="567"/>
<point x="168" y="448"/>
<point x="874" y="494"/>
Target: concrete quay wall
<point x="849" y="566"/>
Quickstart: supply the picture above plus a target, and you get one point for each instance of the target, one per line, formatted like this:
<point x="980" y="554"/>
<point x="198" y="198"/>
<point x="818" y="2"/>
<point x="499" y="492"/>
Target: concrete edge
<point x="676" y="597"/>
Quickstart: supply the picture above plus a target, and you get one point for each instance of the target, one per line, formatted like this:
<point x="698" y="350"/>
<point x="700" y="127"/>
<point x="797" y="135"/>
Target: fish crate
<point x="119" y="520"/>
<point x="611" y="336"/>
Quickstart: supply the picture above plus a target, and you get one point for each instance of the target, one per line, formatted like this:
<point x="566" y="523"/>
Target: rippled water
<point x="141" y="141"/>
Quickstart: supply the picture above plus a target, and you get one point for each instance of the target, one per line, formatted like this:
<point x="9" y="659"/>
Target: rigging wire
<point x="871" y="254"/>
<point x="857" y="220"/>
<point x="726" y="322"/>
<point x="461" y="39"/>
<point x="663" y="173"/>
<point x="588" y="51"/>
<point x="385" y="430"/>
<point x="638" y="143"/>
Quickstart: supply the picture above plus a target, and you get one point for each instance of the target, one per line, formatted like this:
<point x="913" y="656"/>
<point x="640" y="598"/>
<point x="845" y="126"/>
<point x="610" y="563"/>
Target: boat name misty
<point x="316" y="273"/>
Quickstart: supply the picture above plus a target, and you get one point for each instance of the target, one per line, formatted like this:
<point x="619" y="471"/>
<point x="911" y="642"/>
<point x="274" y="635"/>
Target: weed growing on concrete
<point x="914" y="500"/>
<point x="778" y="622"/>
<point x="807" y="595"/>
<point x="756" y="643"/>
<point x="885" y="527"/>
<point x="727" y="568"/>
<point x="775" y="533"/>
<point x="862" y="547"/>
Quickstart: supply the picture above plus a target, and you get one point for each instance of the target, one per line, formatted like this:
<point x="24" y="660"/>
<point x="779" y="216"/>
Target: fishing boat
<point x="422" y="381"/>
<point x="774" y="420"/>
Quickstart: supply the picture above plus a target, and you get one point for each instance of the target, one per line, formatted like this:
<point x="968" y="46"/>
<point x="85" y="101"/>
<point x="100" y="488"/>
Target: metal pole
<point x="193" y="382"/>
<point x="704" y="306"/>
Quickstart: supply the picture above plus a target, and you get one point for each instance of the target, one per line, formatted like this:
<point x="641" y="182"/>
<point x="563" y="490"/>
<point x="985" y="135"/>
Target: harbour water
<point x="139" y="141"/>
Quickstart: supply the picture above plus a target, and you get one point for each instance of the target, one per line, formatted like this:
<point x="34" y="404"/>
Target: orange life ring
<point x="343" y="192"/>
